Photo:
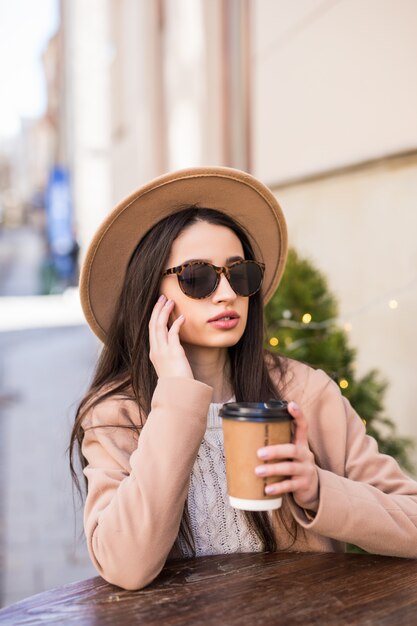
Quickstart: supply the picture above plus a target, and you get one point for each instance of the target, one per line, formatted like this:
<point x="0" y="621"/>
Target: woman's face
<point x="218" y="245"/>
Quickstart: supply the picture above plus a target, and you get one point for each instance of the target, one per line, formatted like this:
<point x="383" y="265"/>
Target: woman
<point x="176" y="291"/>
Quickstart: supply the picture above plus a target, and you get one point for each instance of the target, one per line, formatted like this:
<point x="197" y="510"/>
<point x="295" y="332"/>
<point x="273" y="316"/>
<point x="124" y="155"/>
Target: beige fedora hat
<point x="232" y="191"/>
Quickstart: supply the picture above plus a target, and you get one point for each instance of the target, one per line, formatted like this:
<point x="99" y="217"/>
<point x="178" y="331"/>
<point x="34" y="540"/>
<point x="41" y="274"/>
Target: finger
<point x="286" y="486"/>
<point x="159" y="304"/>
<point x="173" y="332"/>
<point x="301" y="427"/>
<point x="161" y="322"/>
<point x="278" y="451"/>
<point x="154" y="316"/>
<point x="158" y="330"/>
<point x="288" y="468"/>
<point x="157" y="308"/>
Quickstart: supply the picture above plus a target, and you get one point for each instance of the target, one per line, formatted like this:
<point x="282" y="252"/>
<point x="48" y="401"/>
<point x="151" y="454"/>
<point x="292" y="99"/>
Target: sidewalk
<point x="21" y="253"/>
<point x="44" y="371"/>
<point x="43" y="374"/>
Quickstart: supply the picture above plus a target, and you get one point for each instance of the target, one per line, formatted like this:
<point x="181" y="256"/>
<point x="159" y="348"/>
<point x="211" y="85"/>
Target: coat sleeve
<point x="137" y="487"/>
<point x="365" y="498"/>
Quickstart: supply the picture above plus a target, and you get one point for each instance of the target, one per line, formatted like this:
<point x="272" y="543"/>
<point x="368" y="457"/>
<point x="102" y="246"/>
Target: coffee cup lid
<point x="272" y="410"/>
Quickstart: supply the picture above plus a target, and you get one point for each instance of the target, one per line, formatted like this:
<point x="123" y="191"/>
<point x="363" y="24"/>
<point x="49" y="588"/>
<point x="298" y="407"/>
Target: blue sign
<point x="59" y="212"/>
<point x="59" y="216"/>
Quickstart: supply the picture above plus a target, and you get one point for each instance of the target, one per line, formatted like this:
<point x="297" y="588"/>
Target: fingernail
<point x="269" y="489"/>
<point x="161" y="297"/>
<point x="168" y="302"/>
<point x="294" y="406"/>
<point x="260" y="470"/>
<point x="262" y="453"/>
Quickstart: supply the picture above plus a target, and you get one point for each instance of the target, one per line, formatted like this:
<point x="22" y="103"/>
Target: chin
<point x="219" y="339"/>
<point x="225" y="341"/>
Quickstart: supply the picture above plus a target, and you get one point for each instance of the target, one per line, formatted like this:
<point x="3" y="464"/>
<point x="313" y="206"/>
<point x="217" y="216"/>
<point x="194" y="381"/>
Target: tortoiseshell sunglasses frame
<point x="178" y="270"/>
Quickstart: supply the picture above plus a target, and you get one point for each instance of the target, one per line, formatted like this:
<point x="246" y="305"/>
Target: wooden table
<point x="241" y="589"/>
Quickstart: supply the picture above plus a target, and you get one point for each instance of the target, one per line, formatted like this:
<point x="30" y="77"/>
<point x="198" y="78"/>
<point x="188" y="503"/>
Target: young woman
<point x="174" y="284"/>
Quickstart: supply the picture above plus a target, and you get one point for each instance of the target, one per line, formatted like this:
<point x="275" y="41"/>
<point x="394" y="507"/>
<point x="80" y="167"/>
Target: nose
<point x="223" y="292"/>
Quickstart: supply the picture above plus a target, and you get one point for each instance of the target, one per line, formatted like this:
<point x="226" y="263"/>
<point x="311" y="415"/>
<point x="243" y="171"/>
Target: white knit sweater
<point x="217" y="528"/>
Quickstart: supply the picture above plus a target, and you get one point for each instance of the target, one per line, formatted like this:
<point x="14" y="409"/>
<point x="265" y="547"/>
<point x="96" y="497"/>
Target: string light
<point x="393" y="303"/>
<point x="343" y="384"/>
<point x="344" y="322"/>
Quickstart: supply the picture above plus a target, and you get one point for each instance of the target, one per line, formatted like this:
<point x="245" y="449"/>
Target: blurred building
<point x="335" y="135"/>
<point x="148" y="90"/>
<point x="29" y="156"/>
<point x="317" y="99"/>
<point x="24" y="164"/>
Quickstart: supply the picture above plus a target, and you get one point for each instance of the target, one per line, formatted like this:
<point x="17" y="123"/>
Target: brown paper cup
<point x="246" y="428"/>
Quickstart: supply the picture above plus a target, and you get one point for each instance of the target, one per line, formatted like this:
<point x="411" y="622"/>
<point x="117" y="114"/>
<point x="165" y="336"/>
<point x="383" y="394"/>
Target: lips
<point x="226" y="316"/>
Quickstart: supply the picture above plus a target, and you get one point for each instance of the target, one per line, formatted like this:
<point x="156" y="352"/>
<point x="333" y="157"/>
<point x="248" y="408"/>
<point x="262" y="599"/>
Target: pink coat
<point x="137" y="488"/>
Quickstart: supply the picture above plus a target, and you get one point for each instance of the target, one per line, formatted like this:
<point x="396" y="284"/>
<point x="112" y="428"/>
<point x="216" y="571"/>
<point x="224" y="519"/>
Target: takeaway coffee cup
<point x="248" y="426"/>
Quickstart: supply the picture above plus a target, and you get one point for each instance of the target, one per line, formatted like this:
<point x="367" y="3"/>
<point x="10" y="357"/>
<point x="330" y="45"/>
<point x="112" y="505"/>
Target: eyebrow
<point x="230" y="259"/>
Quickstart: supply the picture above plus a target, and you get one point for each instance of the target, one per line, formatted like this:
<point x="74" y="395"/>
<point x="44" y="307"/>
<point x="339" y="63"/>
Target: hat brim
<point x="232" y="191"/>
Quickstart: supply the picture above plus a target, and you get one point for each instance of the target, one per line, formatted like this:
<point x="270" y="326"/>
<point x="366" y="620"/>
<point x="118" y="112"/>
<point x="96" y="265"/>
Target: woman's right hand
<point x="166" y="352"/>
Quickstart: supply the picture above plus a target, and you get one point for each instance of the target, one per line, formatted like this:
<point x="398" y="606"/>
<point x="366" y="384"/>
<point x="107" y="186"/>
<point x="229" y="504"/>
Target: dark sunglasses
<point x="198" y="279"/>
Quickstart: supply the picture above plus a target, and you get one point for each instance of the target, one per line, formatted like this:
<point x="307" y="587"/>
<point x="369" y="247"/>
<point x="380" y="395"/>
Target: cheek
<point x="244" y="314"/>
<point x="175" y="313"/>
<point x="190" y="333"/>
<point x="169" y="287"/>
<point x="184" y="306"/>
<point x="193" y="327"/>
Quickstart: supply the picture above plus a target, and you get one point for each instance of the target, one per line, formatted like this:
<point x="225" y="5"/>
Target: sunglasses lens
<point x="246" y="278"/>
<point x="198" y="281"/>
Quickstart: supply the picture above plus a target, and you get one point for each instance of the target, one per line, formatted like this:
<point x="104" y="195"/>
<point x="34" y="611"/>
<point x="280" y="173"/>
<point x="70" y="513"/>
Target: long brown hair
<point x="124" y="367"/>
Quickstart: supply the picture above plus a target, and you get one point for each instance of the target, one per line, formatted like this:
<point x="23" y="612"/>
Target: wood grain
<point x="241" y="589"/>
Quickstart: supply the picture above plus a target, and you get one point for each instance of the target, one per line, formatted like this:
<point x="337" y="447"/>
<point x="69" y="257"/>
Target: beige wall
<point x="185" y="86"/>
<point x="335" y="86"/>
<point x="334" y="83"/>
<point x="155" y="86"/>
<point x="360" y="228"/>
<point x="138" y="133"/>
<point x="89" y="54"/>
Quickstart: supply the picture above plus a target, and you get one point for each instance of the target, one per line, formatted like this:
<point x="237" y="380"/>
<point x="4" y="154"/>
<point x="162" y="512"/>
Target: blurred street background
<point x="43" y="372"/>
<point x="317" y="98"/>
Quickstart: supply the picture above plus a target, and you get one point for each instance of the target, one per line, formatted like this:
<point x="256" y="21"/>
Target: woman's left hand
<point x="296" y="462"/>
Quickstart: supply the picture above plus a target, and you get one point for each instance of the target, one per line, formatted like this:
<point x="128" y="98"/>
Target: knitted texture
<point x="217" y="527"/>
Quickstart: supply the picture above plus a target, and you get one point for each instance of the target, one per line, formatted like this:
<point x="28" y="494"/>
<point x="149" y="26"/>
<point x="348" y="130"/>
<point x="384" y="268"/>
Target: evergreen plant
<point x="302" y="324"/>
